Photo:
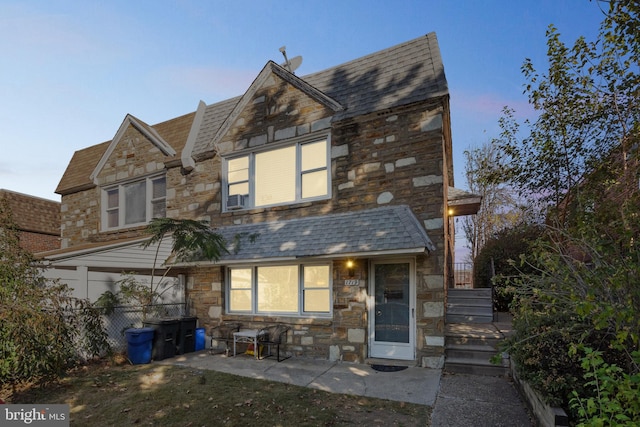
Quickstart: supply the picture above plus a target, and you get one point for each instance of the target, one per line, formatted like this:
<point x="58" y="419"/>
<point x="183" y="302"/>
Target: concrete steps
<point x="469" y="306"/>
<point x="469" y="347"/>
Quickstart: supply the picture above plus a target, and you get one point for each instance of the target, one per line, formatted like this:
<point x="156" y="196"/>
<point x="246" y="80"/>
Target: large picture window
<point x="134" y="203"/>
<point x="281" y="289"/>
<point x="282" y="175"/>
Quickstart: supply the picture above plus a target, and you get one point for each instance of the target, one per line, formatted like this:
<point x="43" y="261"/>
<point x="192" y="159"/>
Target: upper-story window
<point x="134" y="203"/>
<point x="287" y="174"/>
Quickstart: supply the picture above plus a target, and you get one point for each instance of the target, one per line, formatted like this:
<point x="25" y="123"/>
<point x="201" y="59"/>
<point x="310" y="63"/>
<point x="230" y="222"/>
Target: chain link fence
<point x="125" y="317"/>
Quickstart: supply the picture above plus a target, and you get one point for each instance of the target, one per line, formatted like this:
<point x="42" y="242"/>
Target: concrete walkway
<point x="457" y="400"/>
<point x="413" y="385"/>
<point x="476" y="400"/>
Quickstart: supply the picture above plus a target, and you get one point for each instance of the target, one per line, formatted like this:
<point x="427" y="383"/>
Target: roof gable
<point x="264" y="79"/>
<point x="400" y="75"/>
<point x="150" y="133"/>
<point x="79" y="173"/>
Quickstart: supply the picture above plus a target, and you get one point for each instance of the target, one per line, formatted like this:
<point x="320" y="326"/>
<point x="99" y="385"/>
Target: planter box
<point x="545" y="414"/>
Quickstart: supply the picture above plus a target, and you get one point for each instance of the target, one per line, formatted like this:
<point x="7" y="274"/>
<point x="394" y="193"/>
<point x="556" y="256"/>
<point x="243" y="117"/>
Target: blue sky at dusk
<point x="71" y="70"/>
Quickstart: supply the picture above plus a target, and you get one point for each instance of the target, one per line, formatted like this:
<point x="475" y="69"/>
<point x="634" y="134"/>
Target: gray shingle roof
<point x="385" y="230"/>
<point x="396" y="76"/>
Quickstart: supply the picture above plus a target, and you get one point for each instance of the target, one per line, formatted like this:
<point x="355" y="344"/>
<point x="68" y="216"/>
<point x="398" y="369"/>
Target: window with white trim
<point x="133" y="203"/>
<point x="287" y="174"/>
<point x="295" y="289"/>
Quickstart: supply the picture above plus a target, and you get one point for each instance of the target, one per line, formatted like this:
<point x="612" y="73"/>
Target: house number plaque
<point x="352" y="282"/>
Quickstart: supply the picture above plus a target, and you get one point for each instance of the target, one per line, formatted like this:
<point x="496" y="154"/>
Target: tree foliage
<point x="191" y="240"/>
<point x="43" y="329"/>
<point x="498" y="261"/>
<point x="500" y="208"/>
<point x="587" y="103"/>
<point x="580" y="158"/>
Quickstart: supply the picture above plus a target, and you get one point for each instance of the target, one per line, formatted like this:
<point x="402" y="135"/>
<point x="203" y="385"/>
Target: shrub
<point x="43" y="329"/>
<point x="614" y="395"/>
<point x="495" y="263"/>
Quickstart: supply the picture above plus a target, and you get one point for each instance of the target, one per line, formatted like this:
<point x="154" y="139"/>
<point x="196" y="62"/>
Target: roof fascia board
<point x="188" y="163"/>
<point x="410" y="251"/>
<point x="87" y="251"/>
<point x="150" y="133"/>
<point x="154" y="136"/>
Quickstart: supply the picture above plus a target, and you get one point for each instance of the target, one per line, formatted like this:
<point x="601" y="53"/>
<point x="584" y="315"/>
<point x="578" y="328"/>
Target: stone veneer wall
<point x="386" y="158"/>
<point x="342" y="337"/>
<point x="391" y="157"/>
<point x="134" y="157"/>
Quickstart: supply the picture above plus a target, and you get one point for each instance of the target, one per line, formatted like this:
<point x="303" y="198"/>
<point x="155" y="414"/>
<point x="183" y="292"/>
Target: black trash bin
<point x="187" y="335"/>
<point x="165" y="337"/>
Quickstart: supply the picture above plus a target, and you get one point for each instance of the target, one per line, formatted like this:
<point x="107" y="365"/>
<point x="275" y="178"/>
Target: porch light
<point x="350" y="268"/>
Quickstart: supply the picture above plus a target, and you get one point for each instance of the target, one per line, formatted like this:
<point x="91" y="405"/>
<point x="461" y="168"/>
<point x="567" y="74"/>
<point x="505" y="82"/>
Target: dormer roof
<point x="171" y="135"/>
<point x="150" y="133"/>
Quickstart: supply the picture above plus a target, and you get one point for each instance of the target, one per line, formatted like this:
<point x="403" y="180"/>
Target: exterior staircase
<point x="469" y="306"/>
<point x="472" y="336"/>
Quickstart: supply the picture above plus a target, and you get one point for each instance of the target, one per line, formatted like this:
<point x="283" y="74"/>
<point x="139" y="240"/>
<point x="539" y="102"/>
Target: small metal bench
<point x="274" y="335"/>
<point x="223" y="333"/>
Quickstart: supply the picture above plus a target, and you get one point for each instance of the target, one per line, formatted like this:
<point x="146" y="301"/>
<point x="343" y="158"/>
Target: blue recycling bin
<point x="200" y="339"/>
<point x="139" y="345"/>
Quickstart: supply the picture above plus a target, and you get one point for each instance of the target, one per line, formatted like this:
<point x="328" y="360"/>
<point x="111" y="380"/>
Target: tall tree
<point x="499" y="208"/>
<point x="588" y="106"/>
<point x="581" y="158"/>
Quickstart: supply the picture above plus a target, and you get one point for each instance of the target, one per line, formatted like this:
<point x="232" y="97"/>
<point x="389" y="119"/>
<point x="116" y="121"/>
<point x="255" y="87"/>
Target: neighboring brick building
<point x="331" y="189"/>
<point x="37" y="219"/>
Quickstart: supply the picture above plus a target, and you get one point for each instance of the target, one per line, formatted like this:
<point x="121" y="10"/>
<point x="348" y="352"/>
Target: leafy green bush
<point x="614" y="397"/>
<point x="570" y="302"/>
<point x="43" y="329"/>
<point x="495" y="263"/>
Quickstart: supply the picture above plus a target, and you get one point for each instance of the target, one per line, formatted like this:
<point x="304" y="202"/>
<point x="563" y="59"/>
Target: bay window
<point x="296" y="289"/>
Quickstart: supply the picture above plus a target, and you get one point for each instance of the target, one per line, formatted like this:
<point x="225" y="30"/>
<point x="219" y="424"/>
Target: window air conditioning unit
<point x="235" y="202"/>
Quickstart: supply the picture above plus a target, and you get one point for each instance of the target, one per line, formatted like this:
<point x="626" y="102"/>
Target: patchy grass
<point x="116" y="395"/>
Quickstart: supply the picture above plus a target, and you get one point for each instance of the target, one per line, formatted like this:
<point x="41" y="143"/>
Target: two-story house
<point x="331" y="190"/>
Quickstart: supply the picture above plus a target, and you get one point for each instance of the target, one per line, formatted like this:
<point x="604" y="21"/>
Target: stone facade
<point x="395" y="156"/>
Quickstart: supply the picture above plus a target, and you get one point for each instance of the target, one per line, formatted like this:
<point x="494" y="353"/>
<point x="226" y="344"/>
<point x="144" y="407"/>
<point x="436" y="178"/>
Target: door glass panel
<point x="392" y="302"/>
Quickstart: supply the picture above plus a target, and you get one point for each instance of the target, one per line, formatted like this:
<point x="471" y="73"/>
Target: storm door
<point x="391" y="310"/>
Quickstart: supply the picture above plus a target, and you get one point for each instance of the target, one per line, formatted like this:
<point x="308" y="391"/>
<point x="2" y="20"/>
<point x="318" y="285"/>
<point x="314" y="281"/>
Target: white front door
<point x="391" y="310"/>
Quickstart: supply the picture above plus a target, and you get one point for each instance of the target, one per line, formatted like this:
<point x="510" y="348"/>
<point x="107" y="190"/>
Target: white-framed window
<point x="292" y="289"/>
<point x="133" y="203"/>
<point x="286" y="174"/>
